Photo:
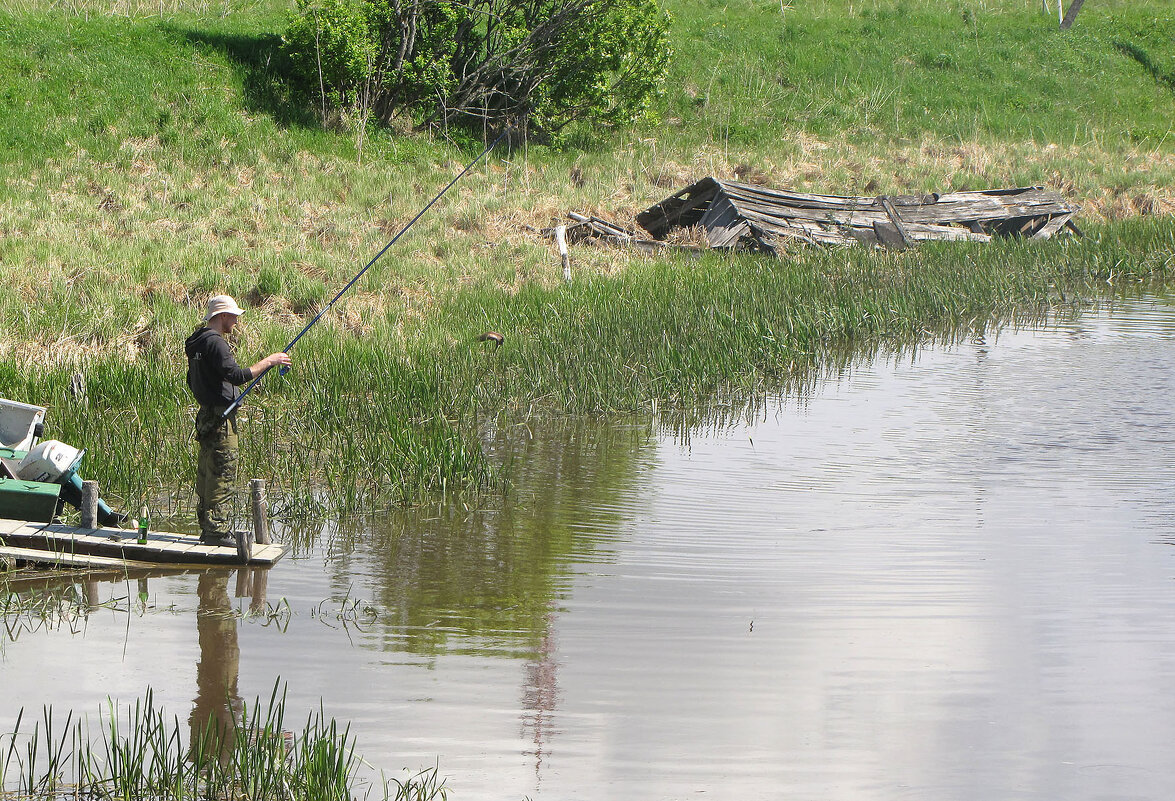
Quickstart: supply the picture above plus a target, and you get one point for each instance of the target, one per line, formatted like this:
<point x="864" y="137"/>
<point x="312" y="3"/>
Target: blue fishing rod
<point x="237" y="403"/>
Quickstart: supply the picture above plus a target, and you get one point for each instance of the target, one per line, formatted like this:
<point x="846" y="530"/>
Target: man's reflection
<point x="217" y="699"/>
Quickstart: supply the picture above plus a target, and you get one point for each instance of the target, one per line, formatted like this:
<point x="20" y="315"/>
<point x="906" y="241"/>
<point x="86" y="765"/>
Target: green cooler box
<point x="34" y="501"/>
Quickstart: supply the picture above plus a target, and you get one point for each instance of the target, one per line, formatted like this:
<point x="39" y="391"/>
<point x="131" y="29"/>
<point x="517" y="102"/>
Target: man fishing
<point x="213" y="377"/>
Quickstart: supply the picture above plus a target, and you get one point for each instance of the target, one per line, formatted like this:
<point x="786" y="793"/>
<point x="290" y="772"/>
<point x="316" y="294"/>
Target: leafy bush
<point x="483" y="62"/>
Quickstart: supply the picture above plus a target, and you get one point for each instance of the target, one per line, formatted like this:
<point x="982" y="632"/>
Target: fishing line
<point x="236" y="403"/>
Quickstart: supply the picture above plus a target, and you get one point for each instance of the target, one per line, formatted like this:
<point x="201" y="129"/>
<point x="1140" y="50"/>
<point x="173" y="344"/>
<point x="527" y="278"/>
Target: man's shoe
<point x="222" y="541"/>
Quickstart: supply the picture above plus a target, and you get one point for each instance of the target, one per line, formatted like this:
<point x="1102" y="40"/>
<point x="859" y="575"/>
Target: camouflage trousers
<point x="216" y="471"/>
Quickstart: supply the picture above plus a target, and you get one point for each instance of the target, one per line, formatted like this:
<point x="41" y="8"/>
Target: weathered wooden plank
<point x="811" y="234"/>
<point x="832" y="202"/>
<point x="734" y="188"/>
<point x="1026" y="196"/>
<point x="9" y="526"/>
<point x="860" y="218"/>
<point x="684" y="208"/>
<point x="895" y="219"/>
<point x="950" y="233"/>
<point x="1052" y="226"/>
<point x="769" y="236"/>
<point x="916" y="231"/>
<point x="120" y="544"/>
<point x="267" y="553"/>
<point x="811" y="226"/>
<point x="890" y="236"/>
<point x="997" y="203"/>
<point x="63" y="559"/>
<point x="724" y="226"/>
<point x="610" y="228"/>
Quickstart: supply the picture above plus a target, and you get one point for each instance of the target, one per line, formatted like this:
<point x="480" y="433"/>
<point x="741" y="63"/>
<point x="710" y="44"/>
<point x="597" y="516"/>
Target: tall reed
<point x="396" y="414"/>
<point x="144" y="756"/>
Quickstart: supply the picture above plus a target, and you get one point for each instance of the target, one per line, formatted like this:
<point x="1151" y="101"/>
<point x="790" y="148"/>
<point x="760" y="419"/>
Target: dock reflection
<point x="58" y="600"/>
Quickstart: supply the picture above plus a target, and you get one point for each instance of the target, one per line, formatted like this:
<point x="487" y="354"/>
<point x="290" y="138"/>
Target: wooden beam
<point x="1052" y="226"/>
<point x="890" y="236"/>
<point x="894" y="218"/>
<point x="1071" y="14"/>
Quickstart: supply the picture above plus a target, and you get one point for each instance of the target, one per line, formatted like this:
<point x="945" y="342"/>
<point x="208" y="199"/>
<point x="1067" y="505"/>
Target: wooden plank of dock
<point x="54" y="543"/>
<point x="62" y="559"/>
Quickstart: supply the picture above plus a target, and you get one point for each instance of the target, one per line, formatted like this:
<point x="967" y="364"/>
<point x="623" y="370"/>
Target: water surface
<point x="939" y="575"/>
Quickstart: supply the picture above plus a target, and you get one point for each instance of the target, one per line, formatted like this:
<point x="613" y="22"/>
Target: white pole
<point x="561" y="240"/>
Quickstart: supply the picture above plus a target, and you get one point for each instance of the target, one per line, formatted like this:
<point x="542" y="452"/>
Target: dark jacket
<point x="213" y="373"/>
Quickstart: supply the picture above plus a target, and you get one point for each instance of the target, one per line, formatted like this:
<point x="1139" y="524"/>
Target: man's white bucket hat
<point x="222" y="304"/>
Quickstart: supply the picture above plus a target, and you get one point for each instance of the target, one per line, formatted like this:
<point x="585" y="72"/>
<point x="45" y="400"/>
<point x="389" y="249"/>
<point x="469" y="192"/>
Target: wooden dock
<point x="58" y="545"/>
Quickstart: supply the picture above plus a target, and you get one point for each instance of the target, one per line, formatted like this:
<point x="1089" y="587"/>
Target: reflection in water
<point x="457" y="580"/>
<point x="540" y="694"/>
<point x="218" y="701"/>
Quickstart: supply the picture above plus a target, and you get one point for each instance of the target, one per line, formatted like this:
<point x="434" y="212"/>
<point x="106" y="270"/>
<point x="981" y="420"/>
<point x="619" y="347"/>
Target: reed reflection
<point x="484" y="581"/>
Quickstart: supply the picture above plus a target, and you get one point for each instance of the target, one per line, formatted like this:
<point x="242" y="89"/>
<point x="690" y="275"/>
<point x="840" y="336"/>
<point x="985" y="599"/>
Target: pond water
<point x="947" y="574"/>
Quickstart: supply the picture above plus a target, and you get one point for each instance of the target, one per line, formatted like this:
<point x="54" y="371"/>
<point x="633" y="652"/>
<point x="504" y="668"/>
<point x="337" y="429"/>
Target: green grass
<point x="140" y="753"/>
<point x="151" y="155"/>
<point x="893" y="68"/>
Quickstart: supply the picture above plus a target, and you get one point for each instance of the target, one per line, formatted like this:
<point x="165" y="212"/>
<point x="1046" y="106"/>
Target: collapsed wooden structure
<point x="744" y="216"/>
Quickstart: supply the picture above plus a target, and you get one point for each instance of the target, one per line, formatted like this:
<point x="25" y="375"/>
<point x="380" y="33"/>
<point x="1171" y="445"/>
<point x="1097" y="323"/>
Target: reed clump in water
<point x="144" y="757"/>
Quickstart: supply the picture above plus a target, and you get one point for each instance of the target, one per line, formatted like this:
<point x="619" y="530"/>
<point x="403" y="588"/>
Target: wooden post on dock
<point x="90" y="504"/>
<point x="260" y="512"/>
<point x="244" y="545"/>
<point x="561" y="241"/>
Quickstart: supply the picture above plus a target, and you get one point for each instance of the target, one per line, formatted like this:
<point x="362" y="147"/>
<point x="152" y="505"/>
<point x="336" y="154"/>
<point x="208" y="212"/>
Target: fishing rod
<point x="236" y="403"/>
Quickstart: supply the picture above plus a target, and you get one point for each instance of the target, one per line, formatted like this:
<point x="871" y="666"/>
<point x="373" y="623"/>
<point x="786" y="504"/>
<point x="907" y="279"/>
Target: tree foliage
<point x="483" y="62"/>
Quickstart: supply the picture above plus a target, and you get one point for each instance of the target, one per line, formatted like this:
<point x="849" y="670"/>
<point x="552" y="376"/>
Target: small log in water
<point x="90" y="504"/>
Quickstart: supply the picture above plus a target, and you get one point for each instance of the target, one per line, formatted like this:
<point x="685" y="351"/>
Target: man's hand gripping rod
<point x="282" y="371"/>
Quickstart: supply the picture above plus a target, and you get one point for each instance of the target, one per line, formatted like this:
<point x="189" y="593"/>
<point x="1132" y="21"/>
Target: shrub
<point x="484" y="62"/>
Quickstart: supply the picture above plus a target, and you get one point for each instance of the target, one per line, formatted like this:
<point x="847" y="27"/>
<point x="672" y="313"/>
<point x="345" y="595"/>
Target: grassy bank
<point x="150" y="155"/>
<point x="394" y="414"/>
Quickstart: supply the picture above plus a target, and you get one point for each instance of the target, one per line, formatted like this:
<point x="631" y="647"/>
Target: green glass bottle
<point x="143" y="526"/>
